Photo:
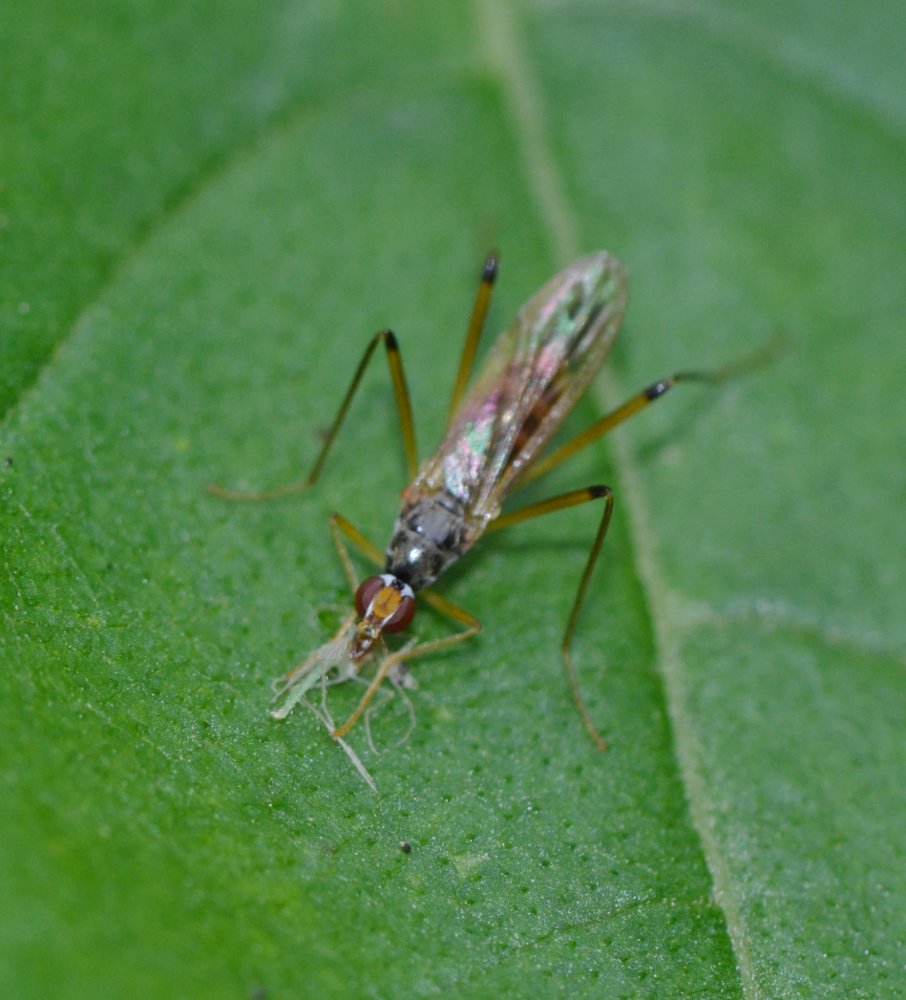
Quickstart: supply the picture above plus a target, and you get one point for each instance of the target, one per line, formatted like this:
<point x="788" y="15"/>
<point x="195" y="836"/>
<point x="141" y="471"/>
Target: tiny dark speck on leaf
<point x="405" y="847"/>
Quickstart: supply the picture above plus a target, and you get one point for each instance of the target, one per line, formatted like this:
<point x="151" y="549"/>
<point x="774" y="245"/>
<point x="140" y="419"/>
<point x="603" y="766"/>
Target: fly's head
<point x="384" y="604"/>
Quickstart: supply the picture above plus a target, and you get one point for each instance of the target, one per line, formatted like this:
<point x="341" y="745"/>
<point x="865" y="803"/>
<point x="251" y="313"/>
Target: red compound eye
<point x="402" y="616"/>
<point x="396" y="606"/>
<point x="366" y="593"/>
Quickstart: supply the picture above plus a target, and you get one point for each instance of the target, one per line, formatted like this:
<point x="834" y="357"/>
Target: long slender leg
<point x="448" y="608"/>
<point x="409" y="652"/>
<point x="403" y="405"/>
<point x="610" y="420"/>
<point x="339" y="524"/>
<point x="473" y="335"/>
<point x="642" y="399"/>
<point x="561" y="502"/>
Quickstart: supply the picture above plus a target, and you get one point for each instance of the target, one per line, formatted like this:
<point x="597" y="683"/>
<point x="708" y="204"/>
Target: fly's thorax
<point x="431" y="532"/>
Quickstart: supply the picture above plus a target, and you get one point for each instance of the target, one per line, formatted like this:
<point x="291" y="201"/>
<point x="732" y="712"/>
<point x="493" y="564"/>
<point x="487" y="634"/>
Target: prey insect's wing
<point x="531" y="379"/>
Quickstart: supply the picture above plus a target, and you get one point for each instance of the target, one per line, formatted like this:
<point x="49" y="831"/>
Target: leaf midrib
<point x="523" y="103"/>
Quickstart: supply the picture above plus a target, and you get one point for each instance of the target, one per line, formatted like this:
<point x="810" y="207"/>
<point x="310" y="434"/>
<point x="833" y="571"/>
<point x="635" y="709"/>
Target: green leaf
<point x="208" y="210"/>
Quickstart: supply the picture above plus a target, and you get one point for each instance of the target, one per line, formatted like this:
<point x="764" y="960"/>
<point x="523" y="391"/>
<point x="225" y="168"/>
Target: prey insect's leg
<point x="403" y="405"/>
<point x="642" y="399"/>
<point x="296" y="682"/>
<point x="409" y="652"/>
<point x="561" y="502"/>
<point x="473" y="335"/>
<point x="399" y="690"/>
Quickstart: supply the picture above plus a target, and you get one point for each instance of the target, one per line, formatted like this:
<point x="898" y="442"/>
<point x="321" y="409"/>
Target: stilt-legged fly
<point x="495" y="434"/>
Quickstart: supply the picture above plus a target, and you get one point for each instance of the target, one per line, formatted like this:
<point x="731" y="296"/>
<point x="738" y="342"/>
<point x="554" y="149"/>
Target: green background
<point x="205" y="210"/>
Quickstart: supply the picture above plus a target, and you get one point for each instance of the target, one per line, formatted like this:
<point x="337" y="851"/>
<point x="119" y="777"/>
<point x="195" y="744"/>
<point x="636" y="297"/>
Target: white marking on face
<point x="390" y="580"/>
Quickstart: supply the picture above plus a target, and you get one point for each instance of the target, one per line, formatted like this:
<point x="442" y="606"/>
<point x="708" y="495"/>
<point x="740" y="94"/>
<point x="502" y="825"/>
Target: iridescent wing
<point x="531" y="379"/>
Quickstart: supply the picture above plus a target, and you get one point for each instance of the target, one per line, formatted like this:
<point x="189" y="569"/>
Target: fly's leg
<point x="403" y="405"/>
<point x="561" y="502"/>
<point x="642" y="399"/>
<point x="409" y="652"/>
<point x="612" y="419"/>
<point x="340" y="526"/>
<point x="473" y="334"/>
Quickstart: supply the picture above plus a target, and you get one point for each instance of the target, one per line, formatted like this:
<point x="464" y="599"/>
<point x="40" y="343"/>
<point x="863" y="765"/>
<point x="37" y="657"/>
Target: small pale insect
<point x="496" y="433"/>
